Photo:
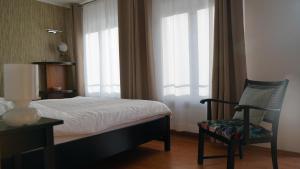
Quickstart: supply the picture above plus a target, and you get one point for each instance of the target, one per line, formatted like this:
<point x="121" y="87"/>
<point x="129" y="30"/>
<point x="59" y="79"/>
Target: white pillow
<point x="5" y="106"/>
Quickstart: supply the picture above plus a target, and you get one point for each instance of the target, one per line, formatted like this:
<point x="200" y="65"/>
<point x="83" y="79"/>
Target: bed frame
<point x="89" y="150"/>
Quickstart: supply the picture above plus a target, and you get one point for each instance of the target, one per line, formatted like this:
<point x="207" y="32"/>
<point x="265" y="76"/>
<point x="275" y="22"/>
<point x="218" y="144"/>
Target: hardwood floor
<point x="183" y="155"/>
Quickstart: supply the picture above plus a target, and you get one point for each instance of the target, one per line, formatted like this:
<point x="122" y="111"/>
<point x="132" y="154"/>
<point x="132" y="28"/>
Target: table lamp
<point x="20" y="86"/>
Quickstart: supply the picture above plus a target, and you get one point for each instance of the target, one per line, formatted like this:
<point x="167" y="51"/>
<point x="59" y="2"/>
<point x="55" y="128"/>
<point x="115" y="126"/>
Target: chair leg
<point x="241" y="153"/>
<point x="274" y="154"/>
<point x="167" y="135"/>
<point x="167" y="143"/>
<point x="230" y="155"/>
<point x="200" y="146"/>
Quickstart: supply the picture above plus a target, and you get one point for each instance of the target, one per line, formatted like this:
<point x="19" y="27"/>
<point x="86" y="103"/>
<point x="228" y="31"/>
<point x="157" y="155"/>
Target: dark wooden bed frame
<point x="89" y="150"/>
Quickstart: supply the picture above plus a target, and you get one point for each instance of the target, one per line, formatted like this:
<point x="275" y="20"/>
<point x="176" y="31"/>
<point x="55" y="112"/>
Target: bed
<point x="97" y="128"/>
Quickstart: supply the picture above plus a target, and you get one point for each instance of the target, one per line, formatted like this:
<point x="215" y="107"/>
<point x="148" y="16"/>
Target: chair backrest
<point x="277" y="92"/>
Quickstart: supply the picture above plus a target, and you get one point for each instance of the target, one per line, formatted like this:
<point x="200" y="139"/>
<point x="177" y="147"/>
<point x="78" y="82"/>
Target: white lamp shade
<point x="20" y="82"/>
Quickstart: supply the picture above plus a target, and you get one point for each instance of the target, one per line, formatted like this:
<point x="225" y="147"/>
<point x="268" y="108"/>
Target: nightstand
<point x="16" y="140"/>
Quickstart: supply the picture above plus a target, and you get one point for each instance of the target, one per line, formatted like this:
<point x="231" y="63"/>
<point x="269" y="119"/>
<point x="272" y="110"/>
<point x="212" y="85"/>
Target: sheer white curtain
<point x="101" y="48"/>
<point x="182" y="35"/>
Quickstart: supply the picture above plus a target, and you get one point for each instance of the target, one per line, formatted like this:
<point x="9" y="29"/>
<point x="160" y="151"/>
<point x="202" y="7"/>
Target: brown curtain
<point x="229" y="65"/>
<point x="77" y="37"/>
<point x="135" y="49"/>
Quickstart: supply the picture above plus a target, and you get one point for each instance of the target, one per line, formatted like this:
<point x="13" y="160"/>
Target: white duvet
<point x="87" y="115"/>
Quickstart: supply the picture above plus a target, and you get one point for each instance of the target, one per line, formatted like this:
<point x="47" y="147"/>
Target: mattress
<point x="85" y="116"/>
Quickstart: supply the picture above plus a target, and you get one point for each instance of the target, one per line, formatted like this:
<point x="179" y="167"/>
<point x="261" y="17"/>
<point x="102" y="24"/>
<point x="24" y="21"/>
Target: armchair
<point x="241" y="132"/>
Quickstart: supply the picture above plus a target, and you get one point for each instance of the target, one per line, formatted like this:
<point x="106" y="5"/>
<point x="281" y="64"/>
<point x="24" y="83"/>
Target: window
<point x="101" y="48"/>
<point x="175" y="52"/>
<point x="182" y="35"/>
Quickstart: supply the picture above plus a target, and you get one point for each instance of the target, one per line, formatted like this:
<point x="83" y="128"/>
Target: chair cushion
<point x="233" y="129"/>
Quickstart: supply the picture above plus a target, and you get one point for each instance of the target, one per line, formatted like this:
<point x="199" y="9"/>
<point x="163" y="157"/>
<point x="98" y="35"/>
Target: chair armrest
<point x="218" y="101"/>
<point x="247" y="109"/>
<point x="209" y="101"/>
<point x="243" y="107"/>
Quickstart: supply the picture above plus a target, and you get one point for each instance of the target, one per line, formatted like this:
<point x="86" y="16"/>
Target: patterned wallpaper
<point x="23" y="38"/>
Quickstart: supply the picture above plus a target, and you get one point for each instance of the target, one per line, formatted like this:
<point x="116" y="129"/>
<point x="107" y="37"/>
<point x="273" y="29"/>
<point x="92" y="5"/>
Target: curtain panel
<point x="135" y="49"/>
<point x="229" y="62"/>
<point x="77" y="37"/>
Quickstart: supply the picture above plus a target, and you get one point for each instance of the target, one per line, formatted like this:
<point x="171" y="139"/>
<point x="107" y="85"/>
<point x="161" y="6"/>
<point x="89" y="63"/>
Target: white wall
<point x="273" y="53"/>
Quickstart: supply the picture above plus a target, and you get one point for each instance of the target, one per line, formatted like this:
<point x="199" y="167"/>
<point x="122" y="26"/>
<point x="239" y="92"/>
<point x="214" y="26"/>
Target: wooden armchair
<point x="240" y="132"/>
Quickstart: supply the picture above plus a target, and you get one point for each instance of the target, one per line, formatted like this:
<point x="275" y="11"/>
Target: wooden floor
<point x="183" y="156"/>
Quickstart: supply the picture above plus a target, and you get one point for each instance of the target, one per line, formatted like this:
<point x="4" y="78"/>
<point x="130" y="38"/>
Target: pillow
<point x="5" y="106"/>
<point x="254" y="96"/>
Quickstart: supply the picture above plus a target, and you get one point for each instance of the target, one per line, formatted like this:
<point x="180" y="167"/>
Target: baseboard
<point x="184" y="133"/>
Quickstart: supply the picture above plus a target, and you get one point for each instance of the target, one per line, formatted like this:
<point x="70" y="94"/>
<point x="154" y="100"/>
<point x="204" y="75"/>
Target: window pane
<point x="92" y="59"/>
<point x="203" y="51"/>
<point x="175" y="53"/>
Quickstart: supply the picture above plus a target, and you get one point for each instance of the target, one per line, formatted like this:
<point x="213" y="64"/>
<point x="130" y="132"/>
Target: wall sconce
<point x="54" y="31"/>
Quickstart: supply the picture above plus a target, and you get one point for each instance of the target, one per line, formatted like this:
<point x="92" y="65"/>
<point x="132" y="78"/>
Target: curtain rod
<point x="87" y="2"/>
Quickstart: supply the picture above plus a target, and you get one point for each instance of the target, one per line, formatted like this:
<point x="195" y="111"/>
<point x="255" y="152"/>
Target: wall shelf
<point x="55" y="63"/>
<point x="57" y="79"/>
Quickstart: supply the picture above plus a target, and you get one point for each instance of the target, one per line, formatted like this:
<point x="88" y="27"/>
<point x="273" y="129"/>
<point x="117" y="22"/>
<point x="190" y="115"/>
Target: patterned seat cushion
<point x="233" y="129"/>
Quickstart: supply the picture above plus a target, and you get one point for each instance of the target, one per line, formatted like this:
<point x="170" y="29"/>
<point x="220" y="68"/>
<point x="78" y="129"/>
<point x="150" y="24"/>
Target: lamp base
<point x="21" y="116"/>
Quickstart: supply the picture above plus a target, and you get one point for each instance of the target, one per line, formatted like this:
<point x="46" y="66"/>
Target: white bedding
<point x="88" y="115"/>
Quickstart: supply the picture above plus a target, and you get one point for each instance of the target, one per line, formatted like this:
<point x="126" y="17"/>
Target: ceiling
<point x="65" y="3"/>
